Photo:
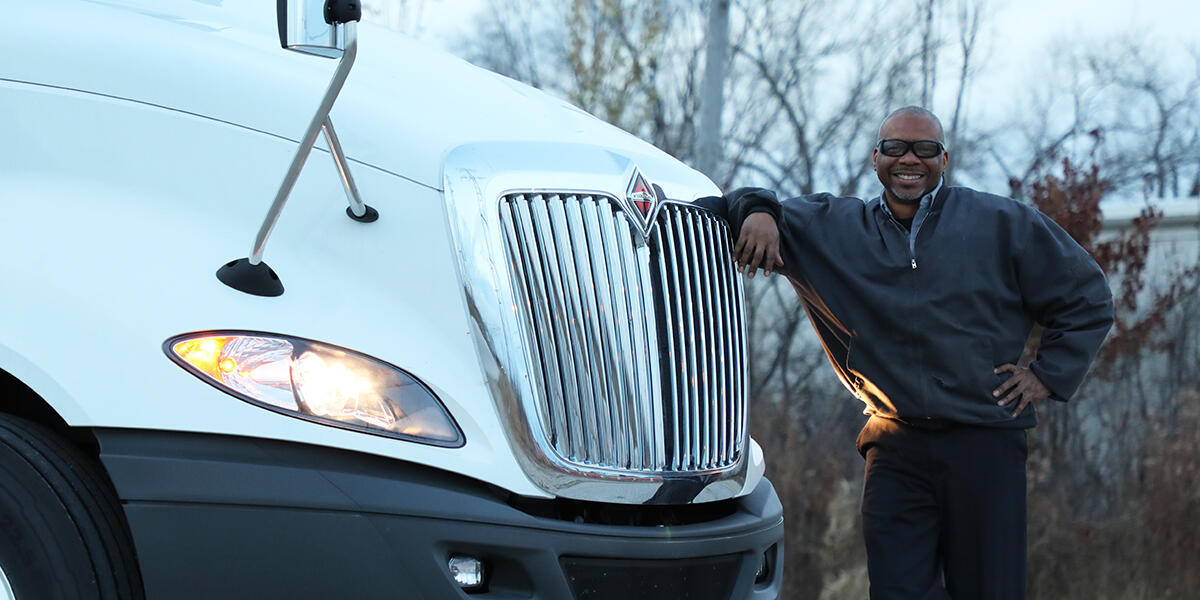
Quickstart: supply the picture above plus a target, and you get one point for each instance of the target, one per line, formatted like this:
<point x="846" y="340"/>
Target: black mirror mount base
<point x="370" y="216"/>
<point x="258" y="280"/>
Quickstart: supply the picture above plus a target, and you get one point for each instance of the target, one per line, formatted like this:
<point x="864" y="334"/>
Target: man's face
<point x="907" y="178"/>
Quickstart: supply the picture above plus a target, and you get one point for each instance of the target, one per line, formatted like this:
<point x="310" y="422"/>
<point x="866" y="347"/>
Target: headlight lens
<point x="317" y="382"/>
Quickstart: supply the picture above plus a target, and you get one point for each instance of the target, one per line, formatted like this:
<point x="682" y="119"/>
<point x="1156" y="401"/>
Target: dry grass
<point x="1139" y="538"/>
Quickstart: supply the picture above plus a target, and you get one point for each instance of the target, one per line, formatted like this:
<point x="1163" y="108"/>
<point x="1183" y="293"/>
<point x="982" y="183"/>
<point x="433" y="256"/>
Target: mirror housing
<point x="315" y="26"/>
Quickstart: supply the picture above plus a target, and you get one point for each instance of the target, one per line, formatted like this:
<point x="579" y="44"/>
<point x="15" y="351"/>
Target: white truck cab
<point x="479" y="344"/>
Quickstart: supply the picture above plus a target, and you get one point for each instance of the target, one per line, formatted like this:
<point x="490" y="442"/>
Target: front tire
<point x="62" y="532"/>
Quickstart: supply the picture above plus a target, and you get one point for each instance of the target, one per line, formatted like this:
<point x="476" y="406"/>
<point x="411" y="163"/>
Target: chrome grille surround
<point x="672" y="447"/>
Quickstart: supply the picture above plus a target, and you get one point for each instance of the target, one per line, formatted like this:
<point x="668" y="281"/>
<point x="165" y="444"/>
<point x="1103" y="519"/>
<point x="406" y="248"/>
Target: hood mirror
<point x="315" y="26"/>
<point x="324" y="28"/>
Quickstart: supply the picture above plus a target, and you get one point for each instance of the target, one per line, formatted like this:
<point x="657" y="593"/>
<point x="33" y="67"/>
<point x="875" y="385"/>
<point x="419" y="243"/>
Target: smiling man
<point x="923" y="299"/>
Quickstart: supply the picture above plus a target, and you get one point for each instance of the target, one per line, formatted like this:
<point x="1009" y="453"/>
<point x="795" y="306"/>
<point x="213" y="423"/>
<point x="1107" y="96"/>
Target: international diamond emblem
<point x="641" y="202"/>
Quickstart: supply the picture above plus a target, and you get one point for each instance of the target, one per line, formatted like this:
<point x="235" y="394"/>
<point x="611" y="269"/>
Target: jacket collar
<point x="934" y="198"/>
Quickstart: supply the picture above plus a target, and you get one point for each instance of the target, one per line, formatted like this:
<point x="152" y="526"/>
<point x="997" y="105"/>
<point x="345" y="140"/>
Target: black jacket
<point x="916" y="334"/>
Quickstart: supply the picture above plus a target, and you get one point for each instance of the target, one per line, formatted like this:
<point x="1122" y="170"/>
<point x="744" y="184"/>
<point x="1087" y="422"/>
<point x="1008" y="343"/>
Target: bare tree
<point x="820" y="91"/>
<point x="1131" y="433"/>
<point x="510" y="39"/>
<point x="1150" y="109"/>
<point x="633" y="64"/>
<point x="969" y="19"/>
<point x="1126" y="109"/>
<point x="712" y="102"/>
<point x="929" y="45"/>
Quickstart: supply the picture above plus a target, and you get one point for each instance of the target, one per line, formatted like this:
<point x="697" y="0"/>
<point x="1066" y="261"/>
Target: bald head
<point x="915" y="111"/>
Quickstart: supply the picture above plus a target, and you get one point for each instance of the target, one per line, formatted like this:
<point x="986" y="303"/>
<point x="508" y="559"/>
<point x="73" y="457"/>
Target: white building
<point x="1175" y="242"/>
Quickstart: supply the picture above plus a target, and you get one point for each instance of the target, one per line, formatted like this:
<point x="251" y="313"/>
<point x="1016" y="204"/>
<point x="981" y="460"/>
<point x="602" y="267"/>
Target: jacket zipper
<point x="912" y="256"/>
<point x="912" y="253"/>
<point x="912" y="248"/>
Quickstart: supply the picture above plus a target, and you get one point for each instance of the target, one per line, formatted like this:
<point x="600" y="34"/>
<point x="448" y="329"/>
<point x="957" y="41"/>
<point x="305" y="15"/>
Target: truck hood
<point x="403" y="109"/>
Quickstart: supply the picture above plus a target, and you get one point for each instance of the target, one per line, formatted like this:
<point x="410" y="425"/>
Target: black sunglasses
<point x="921" y="148"/>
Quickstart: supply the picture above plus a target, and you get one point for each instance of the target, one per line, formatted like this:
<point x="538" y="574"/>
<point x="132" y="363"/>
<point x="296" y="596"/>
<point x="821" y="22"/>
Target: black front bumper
<point x="229" y="517"/>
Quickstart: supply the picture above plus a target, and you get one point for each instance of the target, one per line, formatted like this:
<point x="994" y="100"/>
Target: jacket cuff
<point x="747" y="201"/>
<point x="1060" y="389"/>
<point x="764" y="208"/>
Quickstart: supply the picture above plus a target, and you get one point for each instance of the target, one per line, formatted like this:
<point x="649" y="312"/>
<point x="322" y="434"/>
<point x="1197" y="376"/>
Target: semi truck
<point x="472" y="343"/>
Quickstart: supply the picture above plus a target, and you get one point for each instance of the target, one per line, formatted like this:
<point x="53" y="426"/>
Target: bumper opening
<point x="707" y="578"/>
<point x="636" y="515"/>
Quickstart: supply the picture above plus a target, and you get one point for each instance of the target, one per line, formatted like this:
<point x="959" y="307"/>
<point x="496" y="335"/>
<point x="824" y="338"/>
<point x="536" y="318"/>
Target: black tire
<point x="62" y="532"/>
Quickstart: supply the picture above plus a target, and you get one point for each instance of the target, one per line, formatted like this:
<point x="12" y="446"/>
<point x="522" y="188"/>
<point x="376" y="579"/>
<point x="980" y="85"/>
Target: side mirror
<point x="315" y="26"/>
<point x="322" y="28"/>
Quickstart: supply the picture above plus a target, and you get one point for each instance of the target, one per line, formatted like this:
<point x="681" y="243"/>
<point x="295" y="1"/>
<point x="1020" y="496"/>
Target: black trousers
<point x="944" y="511"/>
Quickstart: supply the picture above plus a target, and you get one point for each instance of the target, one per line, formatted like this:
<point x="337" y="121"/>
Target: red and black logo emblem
<point x="641" y="202"/>
<point x="641" y="195"/>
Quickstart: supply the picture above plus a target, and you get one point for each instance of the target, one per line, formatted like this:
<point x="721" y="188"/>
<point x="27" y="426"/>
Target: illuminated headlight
<point x="317" y="382"/>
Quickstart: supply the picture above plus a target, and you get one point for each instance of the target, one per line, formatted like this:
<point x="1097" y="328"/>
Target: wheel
<point x="62" y="532"/>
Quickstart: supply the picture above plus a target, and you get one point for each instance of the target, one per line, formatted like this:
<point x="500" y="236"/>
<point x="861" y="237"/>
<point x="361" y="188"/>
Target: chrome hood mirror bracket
<point x="325" y="29"/>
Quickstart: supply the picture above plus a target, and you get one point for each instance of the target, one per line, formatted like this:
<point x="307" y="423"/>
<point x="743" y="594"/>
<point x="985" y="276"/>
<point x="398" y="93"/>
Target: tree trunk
<point x="1195" y="191"/>
<point x="712" y="98"/>
<point x="928" y="66"/>
<point x="968" y="24"/>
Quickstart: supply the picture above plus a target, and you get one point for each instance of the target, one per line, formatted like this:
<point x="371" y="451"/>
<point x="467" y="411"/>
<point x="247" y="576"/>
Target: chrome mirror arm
<point x="318" y="122"/>
<point x="301" y="29"/>
<point x="357" y="209"/>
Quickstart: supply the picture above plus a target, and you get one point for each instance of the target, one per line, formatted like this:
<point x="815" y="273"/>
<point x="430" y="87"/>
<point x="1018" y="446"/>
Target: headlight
<point x="317" y="382"/>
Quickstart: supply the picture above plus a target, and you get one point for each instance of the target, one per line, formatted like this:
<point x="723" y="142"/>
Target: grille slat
<point x="716" y="374"/>
<point x="626" y="383"/>
<point x="699" y="407"/>
<point x="585" y="399"/>
<point x="739" y="346"/>
<point x="708" y="373"/>
<point x="536" y="304"/>
<point x="613" y="431"/>
<point x="636" y="345"/>
<point x="652" y="408"/>
<point x="597" y="413"/>
<point x="673" y="316"/>
<point x="565" y="340"/>
<point x="637" y="337"/>
<point x="690" y="341"/>
<point x="541" y="304"/>
<point x="650" y="405"/>
<point x="728" y="385"/>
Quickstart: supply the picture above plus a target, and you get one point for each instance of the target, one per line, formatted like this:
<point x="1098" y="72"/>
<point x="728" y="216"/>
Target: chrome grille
<point x="636" y="345"/>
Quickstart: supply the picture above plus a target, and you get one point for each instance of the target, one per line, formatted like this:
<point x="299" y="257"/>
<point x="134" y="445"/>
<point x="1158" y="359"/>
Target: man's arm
<point x="753" y="215"/>
<point x="1066" y="292"/>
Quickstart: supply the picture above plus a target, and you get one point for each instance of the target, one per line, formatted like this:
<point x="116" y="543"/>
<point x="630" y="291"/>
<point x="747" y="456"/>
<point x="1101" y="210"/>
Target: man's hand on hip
<point x="1023" y="386"/>
<point x="758" y="244"/>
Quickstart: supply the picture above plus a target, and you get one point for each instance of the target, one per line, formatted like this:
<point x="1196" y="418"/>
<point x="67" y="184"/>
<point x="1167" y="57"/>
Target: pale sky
<point x="1018" y="23"/>
<point x="1014" y="49"/>
<point x="1017" y="37"/>
<point x="1022" y="29"/>
<point x="1041" y="19"/>
<point x="1015" y="45"/>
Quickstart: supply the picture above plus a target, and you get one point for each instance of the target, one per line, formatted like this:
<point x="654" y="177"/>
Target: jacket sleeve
<point x="741" y="203"/>
<point x="1066" y="292"/>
